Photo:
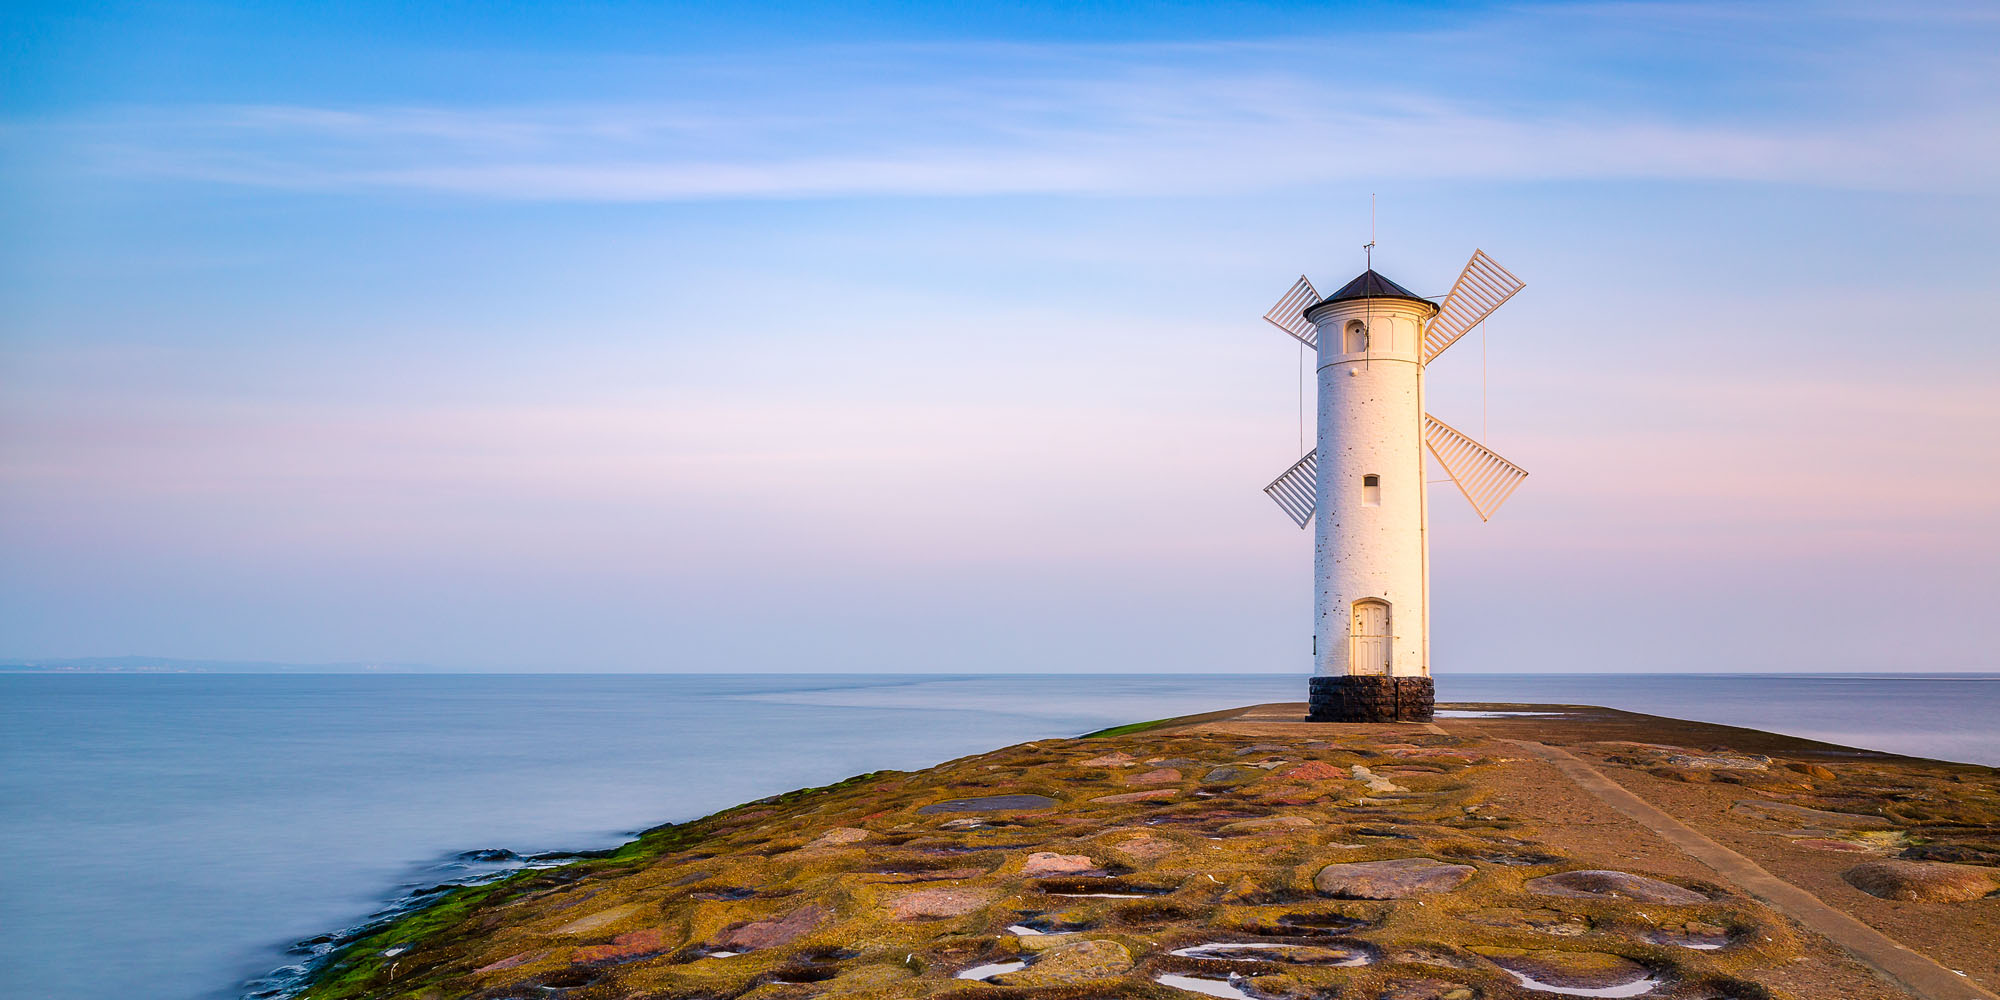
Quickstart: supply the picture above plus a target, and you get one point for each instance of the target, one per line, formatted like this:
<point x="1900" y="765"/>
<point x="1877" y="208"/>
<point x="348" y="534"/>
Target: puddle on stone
<point x="725" y="894"/>
<point x="1089" y="888"/>
<point x="1205" y="985"/>
<point x="1637" y="987"/>
<point x="991" y="969"/>
<point x="1696" y="942"/>
<point x="802" y="975"/>
<point x="1339" y="956"/>
<point x="1319" y="923"/>
<point x="1023" y="930"/>
<point x="1467" y="713"/>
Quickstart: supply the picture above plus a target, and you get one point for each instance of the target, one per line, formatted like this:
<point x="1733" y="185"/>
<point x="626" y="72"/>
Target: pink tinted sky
<point x="452" y="376"/>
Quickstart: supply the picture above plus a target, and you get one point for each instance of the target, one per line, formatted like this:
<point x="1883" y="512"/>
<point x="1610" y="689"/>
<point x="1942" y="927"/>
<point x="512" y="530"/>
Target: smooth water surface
<point x="169" y="836"/>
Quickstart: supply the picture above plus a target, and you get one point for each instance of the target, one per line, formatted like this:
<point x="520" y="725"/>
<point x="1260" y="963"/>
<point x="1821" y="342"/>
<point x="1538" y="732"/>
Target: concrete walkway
<point x="1906" y="969"/>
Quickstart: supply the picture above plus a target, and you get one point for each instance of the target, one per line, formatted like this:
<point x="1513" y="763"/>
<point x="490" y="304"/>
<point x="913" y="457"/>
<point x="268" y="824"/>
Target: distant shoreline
<point x="160" y="665"/>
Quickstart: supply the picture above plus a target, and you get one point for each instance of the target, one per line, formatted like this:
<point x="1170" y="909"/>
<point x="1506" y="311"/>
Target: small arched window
<point x="1371" y="490"/>
<point x="1356" y="337"/>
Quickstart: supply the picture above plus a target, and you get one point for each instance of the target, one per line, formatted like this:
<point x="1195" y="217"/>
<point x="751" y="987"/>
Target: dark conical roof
<point x="1371" y="285"/>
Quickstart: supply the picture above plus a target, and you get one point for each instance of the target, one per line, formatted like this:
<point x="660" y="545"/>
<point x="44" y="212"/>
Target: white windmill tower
<point x="1365" y="480"/>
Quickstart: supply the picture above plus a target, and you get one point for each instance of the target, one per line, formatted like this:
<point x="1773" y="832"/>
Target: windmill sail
<point x="1289" y="314"/>
<point x="1480" y="289"/>
<point x="1297" y="491"/>
<point x="1486" y="479"/>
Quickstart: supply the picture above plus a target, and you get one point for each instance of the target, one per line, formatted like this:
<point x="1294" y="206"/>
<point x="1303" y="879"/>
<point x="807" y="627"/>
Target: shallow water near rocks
<point x="1301" y="954"/>
<point x="1637" y="987"/>
<point x="991" y="969"/>
<point x="1204" y="985"/>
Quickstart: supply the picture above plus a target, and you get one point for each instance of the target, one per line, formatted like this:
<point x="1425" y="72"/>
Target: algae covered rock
<point x="770" y="933"/>
<point x="1314" y="770"/>
<point x="1111" y="760"/>
<point x="935" y="903"/>
<point x="1127" y="798"/>
<point x="1540" y="921"/>
<point x="893" y="887"/>
<point x="839" y="836"/>
<point x="1426" y="989"/>
<point x="1390" y="879"/>
<point x="598" y="920"/>
<point x="1264" y="824"/>
<point x="865" y="979"/>
<point x="1051" y="863"/>
<point x="1923" y="881"/>
<point x="1603" y="884"/>
<point x="1072" y="964"/>
<point x="1146" y="847"/>
<point x="990" y="803"/>
<point x="1726" y="762"/>
<point x="624" y="947"/>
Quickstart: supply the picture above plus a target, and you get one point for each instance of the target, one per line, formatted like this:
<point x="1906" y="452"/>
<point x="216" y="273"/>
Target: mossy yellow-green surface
<point x="1108" y="866"/>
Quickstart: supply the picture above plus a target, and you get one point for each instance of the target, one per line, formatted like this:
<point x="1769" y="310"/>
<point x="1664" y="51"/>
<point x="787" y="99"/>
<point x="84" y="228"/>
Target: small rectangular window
<point x="1371" y="490"/>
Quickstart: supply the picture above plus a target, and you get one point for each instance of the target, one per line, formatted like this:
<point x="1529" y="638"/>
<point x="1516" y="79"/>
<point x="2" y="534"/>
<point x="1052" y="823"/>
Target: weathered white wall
<point x="1371" y="422"/>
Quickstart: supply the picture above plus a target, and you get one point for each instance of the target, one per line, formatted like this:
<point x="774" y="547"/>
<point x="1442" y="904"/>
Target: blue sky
<point x="613" y="337"/>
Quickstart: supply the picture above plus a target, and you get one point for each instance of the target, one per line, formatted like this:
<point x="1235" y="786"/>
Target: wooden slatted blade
<point x="1297" y="491"/>
<point x="1480" y="289"/>
<point x="1486" y="479"/>
<point x="1289" y="314"/>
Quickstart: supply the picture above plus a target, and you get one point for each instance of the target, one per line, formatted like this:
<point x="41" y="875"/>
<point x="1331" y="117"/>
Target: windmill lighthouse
<point x="1365" y="481"/>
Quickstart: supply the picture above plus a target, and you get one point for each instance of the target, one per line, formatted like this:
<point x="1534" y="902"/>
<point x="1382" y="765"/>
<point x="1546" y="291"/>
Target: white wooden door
<point x="1371" y="637"/>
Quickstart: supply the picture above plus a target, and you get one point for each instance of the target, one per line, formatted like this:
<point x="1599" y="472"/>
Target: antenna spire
<point x="1369" y="247"/>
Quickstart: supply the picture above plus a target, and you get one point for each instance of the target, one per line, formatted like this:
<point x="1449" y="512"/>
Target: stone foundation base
<point x="1370" y="699"/>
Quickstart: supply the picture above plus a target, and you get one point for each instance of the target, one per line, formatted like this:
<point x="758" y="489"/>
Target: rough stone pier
<point x="1500" y="852"/>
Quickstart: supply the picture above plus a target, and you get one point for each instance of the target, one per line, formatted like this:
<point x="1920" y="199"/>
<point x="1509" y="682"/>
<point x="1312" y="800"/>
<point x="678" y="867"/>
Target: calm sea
<point x="171" y="836"/>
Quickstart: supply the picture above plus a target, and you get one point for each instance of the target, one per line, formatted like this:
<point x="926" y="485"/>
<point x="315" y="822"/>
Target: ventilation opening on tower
<point x="1355" y="338"/>
<point x="1371" y="490"/>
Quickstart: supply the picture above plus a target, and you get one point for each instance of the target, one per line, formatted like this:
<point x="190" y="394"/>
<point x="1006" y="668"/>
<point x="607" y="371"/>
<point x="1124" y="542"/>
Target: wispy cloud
<point x="1143" y="120"/>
